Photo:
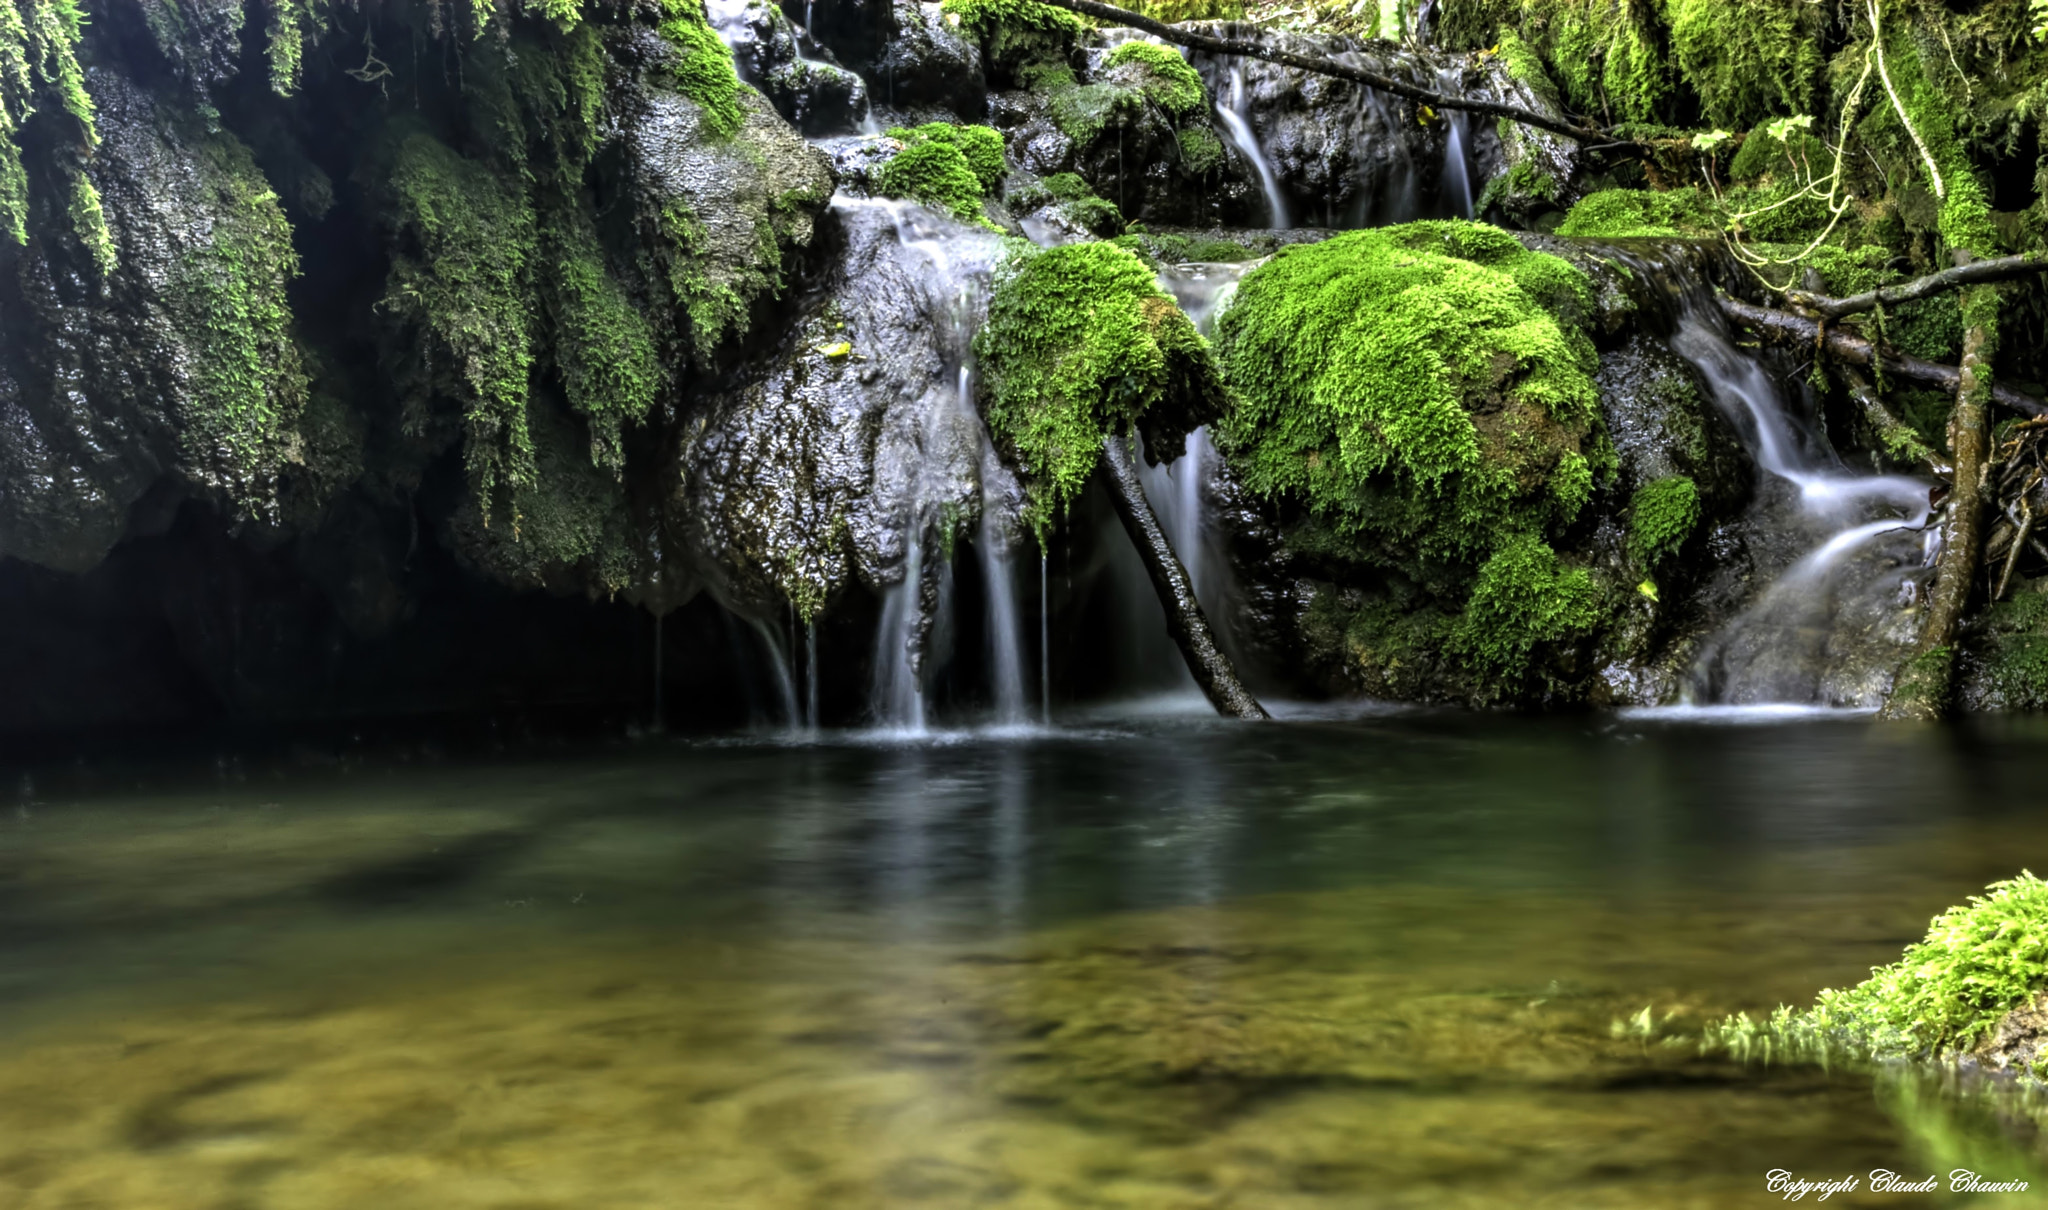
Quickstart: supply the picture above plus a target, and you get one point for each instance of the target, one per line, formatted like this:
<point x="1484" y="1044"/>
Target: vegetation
<point x="1080" y="343"/>
<point x="938" y="175"/>
<point x="1016" y="33"/>
<point x="1424" y="393"/>
<point x="1170" y="82"/>
<point x="1941" y="998"/>
<point x="40" y="73"/>
<point x="980" y="146"/>
<point x="1661" y="516"/>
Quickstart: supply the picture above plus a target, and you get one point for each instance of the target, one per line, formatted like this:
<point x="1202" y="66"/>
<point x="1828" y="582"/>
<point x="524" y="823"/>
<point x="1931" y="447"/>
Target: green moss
<point x="1606" y="55"/>
<point x="1525" y="66"/>
<point x="1176" y="249"/>
<point x="603" y="346"/>
<point x="463" y="278"/>
<point x="1747" y="60"/>
<point x="1642" y="213"/>
<point x="703" y="69"/>
<point x="936" y="174"/>
<point x="2016" y="649"/>
<point x="39" y="70"/>
<point x="248" y="387"/>
<point x="1079" y="343"/>
<point x="285" y="32"/>
<point x="1426" y="392"/>
<point x="1661" y="516"/>
<point x="1016" y="33"/>
<point x="980" y="146"/>
<point x="1201" y="152"/>
<point x="1525" y="597"/>
<point x="1083" y="112"/>
<point x="1978" y="962"/>
<point x="1763" y="156"/>
<point x="1170" y="82"/>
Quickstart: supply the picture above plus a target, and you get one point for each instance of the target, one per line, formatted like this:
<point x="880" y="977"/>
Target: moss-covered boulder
<point x="1081" y="343"/>
<point x="1420" y="400"/>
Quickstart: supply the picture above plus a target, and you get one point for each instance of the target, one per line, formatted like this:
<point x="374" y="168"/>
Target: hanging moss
<point x="248" y="387"/>
<point x="603" y="346"/>
<point x="1747" y="60"/>
<point x="1605" y="54"/>
<point x="1525" y="597"/>
<point x="1170" y="82"/>
<point x="464" y="279"/>
<point x="39" y="70"/>
<point x="936" y="174"/>
<point x="1080" y="343"/>
<point x="1525" y="66"/>
<point x="980" y="146"/>
<point x="1015" y="33"/>
<point x="1661" y="516"/>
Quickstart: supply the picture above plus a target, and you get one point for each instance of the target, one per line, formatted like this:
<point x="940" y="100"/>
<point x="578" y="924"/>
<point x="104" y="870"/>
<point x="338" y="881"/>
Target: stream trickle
<point x="1831" y="626"/>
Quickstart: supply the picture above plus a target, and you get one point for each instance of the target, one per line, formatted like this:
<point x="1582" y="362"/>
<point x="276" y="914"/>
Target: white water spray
<point x="1238" y="126"/>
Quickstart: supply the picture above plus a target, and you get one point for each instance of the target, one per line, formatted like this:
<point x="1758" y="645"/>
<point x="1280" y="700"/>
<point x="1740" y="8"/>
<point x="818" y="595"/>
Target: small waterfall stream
<point x="1827" y="631"/>
<point x="1232" y="113"/>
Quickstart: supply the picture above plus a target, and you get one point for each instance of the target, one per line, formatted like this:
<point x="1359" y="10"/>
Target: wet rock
<point x="812" y="92"/>
<point x="828" y="456"/>
<point x="105" y="384"/>
<point x="917" y="66"/>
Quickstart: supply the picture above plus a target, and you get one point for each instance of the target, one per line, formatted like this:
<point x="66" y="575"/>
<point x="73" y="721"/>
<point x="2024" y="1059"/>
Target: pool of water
<point x="1145" y="960"/>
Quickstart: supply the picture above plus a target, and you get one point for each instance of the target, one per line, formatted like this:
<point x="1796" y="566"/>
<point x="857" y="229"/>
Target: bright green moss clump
<point x="1171" y="83"/>
<point x="1201" y="152"/>
<point x="980" y="146"/>
<point x="1640" y="213"/>
<point x="604" y="348"/>
<point x="1425" y="394"/>
<point x="1014" y="33"/>
<point x="936" y="174"/>
<point x="1661" y="517"/>
<point x="703" y="69"/>
<point x="1080" y="342"/>
<point x="1942" y="997"/>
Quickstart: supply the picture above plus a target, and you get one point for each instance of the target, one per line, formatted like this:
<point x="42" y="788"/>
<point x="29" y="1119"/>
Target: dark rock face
<point x="917" y="67"/>
<point x="107" y="384"/>
<point x="798" y="76"/>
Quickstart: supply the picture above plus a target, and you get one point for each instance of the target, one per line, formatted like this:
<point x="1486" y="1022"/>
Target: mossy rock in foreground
<point x="1421" y="398"/>
<point x="1972" y="987"/>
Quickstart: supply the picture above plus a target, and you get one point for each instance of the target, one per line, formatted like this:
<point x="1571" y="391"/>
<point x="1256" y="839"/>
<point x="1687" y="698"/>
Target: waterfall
<point x="1457" y="175"/>
<point x="1239" y="128"/>
<point x="779" y="667"/>
<point x="1005" y="639"/>
<point x="811" y="676"/>
<point x="1827" y="631"/>
<point x="1044" y="641"/>
<point x="935" y="465"/>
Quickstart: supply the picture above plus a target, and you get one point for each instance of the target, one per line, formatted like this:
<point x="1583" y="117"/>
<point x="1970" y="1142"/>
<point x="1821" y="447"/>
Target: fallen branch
<point x="1185" y="620"/>
<point x="1785" y="328"/>
<point x="1341" y="71"/>
<point x="1894" y="436"/>
<point x="1975" y="273"/>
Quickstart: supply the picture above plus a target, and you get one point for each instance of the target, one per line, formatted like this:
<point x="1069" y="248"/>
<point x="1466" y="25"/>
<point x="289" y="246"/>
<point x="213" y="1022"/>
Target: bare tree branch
<point x="1329" y="67"/>
<point x="1975" y="273"/>
<point x="1785" y="328"/>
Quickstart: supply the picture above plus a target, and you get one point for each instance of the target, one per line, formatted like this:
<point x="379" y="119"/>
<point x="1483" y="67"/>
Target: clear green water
<point x="1395" y="961"/>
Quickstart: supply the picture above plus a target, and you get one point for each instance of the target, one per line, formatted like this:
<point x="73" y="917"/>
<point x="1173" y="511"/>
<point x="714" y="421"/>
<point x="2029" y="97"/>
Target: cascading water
<point x="1827" y="630"/>
<point x="1457" y="174"/>
<point x="923" y="467"/>
<point x="1238" y="126"/>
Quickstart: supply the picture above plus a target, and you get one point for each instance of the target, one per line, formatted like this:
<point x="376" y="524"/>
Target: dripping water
<point x="1044" y="641"/>
<point x="811" y="677"/>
